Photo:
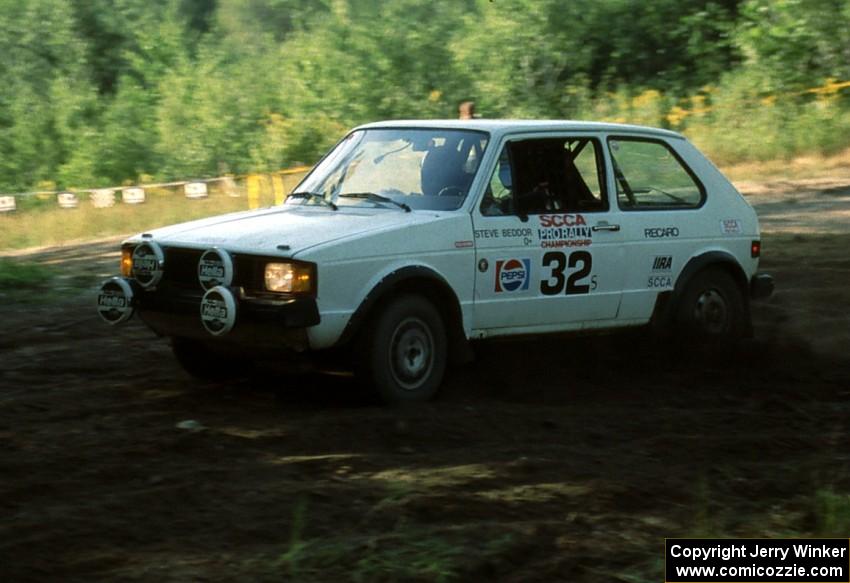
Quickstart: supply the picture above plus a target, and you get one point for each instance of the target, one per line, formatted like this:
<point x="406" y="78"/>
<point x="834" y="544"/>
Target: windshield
<point x="421" y="168"/>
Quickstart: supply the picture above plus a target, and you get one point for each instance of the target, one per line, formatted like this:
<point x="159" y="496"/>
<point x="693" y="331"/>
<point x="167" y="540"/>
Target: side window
<point x="589" y="167"/>
<point x="545" y="175"/>
<point x="649" y="175"/>
<point x="499" y="198"/>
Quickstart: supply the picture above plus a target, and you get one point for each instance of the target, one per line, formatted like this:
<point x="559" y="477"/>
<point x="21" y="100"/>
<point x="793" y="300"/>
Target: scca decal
<point x="562" y="221"/>
<point x="512" y="275"/>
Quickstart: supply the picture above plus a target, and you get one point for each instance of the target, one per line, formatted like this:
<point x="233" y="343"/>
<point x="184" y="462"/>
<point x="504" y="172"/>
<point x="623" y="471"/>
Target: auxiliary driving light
<point x="115" y="301"/>
<point x="148" y="264"/>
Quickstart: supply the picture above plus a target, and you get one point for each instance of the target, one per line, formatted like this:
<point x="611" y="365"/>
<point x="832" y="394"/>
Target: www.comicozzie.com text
<point x="801" y="551"/>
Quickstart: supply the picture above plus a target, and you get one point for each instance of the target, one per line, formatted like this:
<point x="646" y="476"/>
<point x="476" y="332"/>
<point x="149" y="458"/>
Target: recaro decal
<point x="661" y="232"/>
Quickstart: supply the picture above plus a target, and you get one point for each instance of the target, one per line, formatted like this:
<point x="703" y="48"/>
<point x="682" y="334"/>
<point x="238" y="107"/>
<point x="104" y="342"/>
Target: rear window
<point x="649" y="175"/>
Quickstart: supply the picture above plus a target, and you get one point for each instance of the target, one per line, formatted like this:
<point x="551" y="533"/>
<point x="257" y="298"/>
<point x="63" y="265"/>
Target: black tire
<point x="202" y="363"/>
<point x="402" y="354"/>
<point x="711" y="307"/>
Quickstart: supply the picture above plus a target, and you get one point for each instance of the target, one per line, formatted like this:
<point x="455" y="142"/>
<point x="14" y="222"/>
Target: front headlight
<point x="126" y="261"/>
<point x="294" y="278"/>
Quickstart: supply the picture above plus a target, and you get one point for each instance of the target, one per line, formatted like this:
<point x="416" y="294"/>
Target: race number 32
<point x="575" y="282"/>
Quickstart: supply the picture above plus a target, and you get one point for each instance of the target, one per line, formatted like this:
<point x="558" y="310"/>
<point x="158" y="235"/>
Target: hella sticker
<point x="215" y="268"/>
<point x="512" y="275"/>
<point x="115" y="301"/>
<point x="218" y="311"/>
<point x="148" y="263"/>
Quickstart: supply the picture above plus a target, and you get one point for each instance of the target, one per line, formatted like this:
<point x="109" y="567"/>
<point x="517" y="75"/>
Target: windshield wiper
<point x="376" y="198"/>
<point x="314" y="196"/>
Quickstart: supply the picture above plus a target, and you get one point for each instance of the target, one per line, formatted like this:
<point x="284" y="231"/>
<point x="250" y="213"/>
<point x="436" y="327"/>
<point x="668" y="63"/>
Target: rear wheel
<point x="712" y="307"/>
<point x="403" y="354"/>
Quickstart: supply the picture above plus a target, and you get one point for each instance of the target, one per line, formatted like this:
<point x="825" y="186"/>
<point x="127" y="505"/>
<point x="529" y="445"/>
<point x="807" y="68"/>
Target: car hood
<point x="282" y="230"/>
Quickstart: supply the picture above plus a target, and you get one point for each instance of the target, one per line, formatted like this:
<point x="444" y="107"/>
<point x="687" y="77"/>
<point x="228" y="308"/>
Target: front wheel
<point x="712" y="307"/>
<point x="403" y="355"/>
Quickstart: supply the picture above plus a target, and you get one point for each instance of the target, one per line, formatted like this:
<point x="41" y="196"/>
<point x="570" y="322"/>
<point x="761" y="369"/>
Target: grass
<point x="18" y="276"/>
<point x="743" y="119"/>
<point x="796" y="168"/>
<point x="40" y="222"/>
<point x="43" y="225"/>
<point x="407" y="551"/>
<point x="27" y="282"/>
<point x="832" y="513"/>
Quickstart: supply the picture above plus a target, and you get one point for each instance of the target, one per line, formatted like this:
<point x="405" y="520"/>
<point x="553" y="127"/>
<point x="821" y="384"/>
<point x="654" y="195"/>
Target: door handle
<point x="605" y="227"/>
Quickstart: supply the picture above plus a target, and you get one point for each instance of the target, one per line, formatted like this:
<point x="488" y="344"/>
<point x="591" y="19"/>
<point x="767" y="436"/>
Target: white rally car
<point x="410" y="239"/>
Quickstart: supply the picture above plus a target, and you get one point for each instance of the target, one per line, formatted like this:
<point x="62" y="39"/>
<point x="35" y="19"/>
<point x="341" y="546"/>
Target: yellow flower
<point x="677" y="115"/>
<point x="647" y="98"/>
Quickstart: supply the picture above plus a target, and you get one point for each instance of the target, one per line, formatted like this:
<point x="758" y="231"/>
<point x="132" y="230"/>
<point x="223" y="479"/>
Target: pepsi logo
<point x="512" y="275"/>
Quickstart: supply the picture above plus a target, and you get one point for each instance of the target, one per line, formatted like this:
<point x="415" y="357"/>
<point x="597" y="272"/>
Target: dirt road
<point x="555" y="461"/>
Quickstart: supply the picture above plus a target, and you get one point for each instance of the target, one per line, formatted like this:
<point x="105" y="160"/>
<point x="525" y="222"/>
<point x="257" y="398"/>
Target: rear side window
<point x="649" y="175"/>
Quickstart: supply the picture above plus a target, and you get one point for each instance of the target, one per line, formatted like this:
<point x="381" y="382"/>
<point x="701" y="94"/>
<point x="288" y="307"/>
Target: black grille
<point x="181" y="269"/>
<point x="249" y="272"/>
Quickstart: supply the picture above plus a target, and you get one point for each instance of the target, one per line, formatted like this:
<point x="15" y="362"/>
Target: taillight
<point x="755" y="249"/>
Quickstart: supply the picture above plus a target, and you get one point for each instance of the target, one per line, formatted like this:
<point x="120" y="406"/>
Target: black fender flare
<point x="410" y="279"/>
<point x="666" y="306"/>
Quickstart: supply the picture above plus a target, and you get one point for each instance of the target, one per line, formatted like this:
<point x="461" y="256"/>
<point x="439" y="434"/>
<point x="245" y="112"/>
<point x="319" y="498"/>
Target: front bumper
<point x="761" y="286"/>
<point x="271" y="323"/>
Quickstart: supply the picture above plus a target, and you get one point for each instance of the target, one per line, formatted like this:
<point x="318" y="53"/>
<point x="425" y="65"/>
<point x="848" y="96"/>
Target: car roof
<point x="512" y="126"/>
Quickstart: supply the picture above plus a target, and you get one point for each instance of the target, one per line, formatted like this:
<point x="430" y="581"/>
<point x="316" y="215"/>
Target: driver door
<point x="548" y="249"/>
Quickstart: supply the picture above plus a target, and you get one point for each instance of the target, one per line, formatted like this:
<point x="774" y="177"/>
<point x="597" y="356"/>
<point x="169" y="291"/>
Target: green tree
<point x="43" y="61"/>
<point x="801" y="42"/>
